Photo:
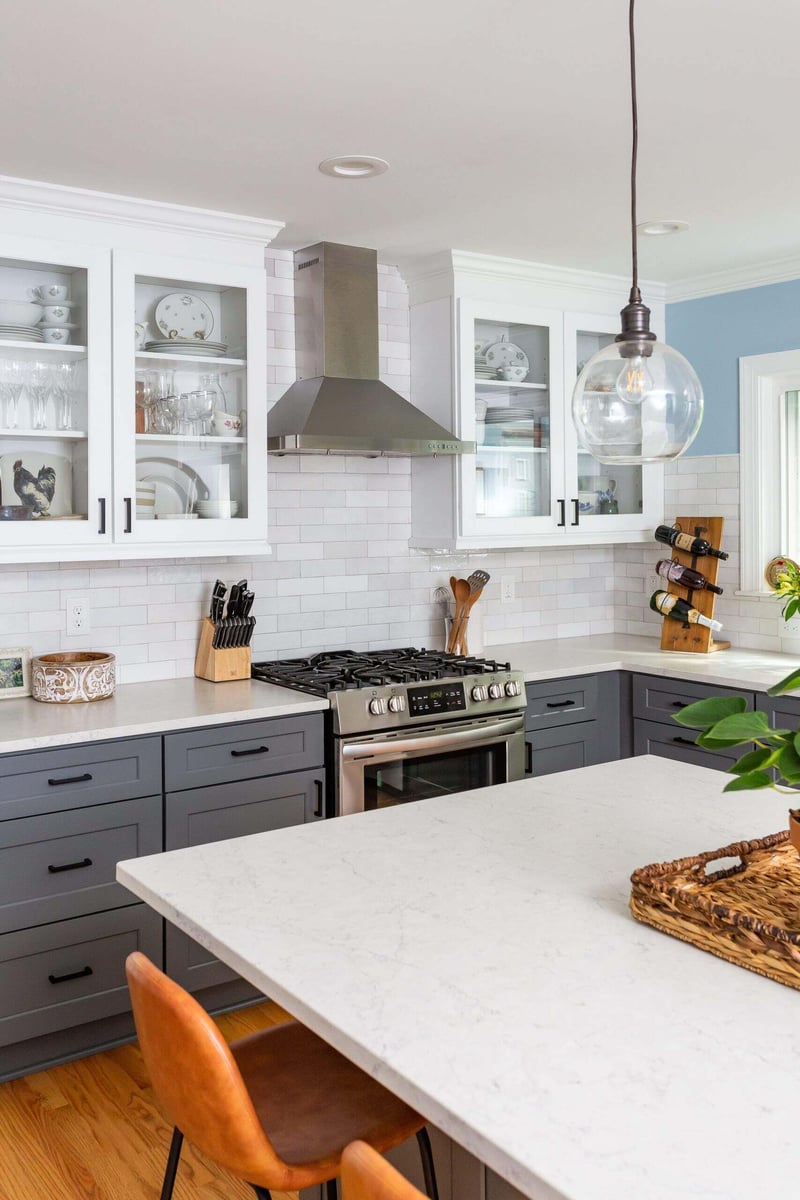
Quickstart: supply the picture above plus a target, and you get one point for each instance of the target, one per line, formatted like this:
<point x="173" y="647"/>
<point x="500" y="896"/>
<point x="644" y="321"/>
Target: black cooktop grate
<point x="339" y="670"/>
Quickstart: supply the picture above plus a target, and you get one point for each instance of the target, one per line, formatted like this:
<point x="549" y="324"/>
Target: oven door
<point x="383" y="770"/>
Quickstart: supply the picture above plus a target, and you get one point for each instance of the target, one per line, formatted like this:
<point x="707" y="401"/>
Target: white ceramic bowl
<point x="55" y="314"/>
<point x="56" y="335"/>
<point x="220" y="509"/>
<point x="19" y="312"/>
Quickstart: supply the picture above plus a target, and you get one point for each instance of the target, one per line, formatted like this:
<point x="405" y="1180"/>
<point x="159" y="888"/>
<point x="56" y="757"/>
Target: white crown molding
<point x="488" y="266"/>
<point x="736" y="279"/>
<point x="58" y="200"/>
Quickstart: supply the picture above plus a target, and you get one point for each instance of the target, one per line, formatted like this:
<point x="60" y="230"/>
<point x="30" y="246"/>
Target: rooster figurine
<point x="35" y="491"/>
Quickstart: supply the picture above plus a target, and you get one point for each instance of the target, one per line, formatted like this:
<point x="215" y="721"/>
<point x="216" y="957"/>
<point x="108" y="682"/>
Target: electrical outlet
<point x="507" y="588"/>
<point x="77" y="615"/>
<point x="655" y="583"/>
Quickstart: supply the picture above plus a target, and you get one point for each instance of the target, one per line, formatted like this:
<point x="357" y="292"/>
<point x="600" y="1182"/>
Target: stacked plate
<point x="217" y="508"/>
<point x="20" y="333"/>
<point x="482" y="368"/>
<point x="189" y="346"/>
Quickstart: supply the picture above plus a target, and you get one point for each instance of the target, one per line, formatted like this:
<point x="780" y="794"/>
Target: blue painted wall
<point x="714" y="332"/>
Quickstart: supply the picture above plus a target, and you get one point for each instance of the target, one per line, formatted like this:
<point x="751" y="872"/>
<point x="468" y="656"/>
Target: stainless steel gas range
<point x="408" y="724"/>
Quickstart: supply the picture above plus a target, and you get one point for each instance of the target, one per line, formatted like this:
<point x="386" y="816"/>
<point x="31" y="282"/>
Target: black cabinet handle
<point x="85" y="862"/>
<point x="72" y="779"/>
<point x="679" y="703"/>
<point x="102" y="506"/>
<point x="246" y="753"/>
<point x="576" y="512"/>
<point x="562" y="508"/>
<point x="318" y="808"/>
<point x="529" y="758"/>
<point x="128" y="515"/>
<point x="73" y="975"/>
<point x="560" y="703"/>
<point x="682" y="741"/>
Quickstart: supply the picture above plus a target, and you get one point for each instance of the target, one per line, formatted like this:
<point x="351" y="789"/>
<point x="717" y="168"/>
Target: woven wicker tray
<point x="748" y="914"/>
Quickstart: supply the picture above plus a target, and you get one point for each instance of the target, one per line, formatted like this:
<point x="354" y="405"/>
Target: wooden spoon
<point x="461" y="591"/>
<point x="477" y="582"/>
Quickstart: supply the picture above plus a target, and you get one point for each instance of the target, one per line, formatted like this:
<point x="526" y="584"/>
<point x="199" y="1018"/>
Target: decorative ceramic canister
<point x="73" y="677"/>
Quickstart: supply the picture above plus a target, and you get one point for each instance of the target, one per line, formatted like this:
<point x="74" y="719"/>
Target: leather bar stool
<point x="367" y="1176"/>
<point x="276" y="1108"/>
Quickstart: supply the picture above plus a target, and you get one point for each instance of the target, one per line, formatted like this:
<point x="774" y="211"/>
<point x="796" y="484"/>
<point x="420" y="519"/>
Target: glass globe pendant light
<point x="637" y="400"/>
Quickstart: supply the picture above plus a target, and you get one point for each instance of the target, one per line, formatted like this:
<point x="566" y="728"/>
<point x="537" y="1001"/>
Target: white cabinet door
<point x="190" y="410"/>
<point x="510" y="383"/>
<point x="602" y="499"/>
<point x="55" y="420"/>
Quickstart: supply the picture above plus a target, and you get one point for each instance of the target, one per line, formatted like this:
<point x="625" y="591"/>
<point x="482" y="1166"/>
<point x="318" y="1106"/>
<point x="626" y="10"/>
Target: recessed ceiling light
<point x="661" y="228"/>
<point x="353" y="166"/>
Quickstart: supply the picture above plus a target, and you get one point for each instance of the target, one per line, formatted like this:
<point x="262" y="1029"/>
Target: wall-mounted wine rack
<point x="696" y="639"/>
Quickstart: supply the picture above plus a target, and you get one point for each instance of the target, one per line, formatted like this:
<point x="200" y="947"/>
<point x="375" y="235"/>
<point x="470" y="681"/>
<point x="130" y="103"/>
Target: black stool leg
<point x="331" y="1192"/>
<point x="172" y="1164"/>
<point x="262" y="1193"/>
<point x="428" y="1170"/>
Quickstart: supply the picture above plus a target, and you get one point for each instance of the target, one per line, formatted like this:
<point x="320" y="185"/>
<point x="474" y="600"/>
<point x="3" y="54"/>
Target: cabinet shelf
<point x="34" y="350"/>
<point x="193" y="360"/>
<point x="194" y="439"/>
<point x="502" y="385"/>
<point x="72" y="435"/>
<point x="489" y="447"/>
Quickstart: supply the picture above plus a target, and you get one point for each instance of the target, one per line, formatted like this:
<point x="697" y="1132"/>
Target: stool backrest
<point x="368" y="1176"/>
<point x="195" y="1076"/>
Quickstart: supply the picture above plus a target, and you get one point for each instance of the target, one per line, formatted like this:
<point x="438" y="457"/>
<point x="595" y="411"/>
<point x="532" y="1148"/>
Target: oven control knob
<point x="397" y="704"/>
<point x="513" y="688"/>
<point x="495" y="691"/>
<point x="377" y="707"/>
<point x="479" y="692"/>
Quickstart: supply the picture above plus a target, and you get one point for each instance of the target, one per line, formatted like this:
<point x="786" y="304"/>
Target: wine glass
<point x="12" y="381"/>
<point x="63" y="390"/>
<point x="38" y="383"/>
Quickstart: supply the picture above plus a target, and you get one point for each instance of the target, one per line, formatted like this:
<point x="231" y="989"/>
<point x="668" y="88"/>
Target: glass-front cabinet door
<point x="190" y="402"/>
<point x="55" y="377"/>
<point x="601" y="498"/>
<point x="510" y="367"/>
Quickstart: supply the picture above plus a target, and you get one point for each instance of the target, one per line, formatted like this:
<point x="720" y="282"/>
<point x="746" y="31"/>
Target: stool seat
<point x="312" y="1102"/>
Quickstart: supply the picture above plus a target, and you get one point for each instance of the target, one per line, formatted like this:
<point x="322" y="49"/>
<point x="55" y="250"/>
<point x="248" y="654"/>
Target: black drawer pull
<point x="560" y="703"/>
<point x="318" y="808"/>
<point x="679" y="704"/>
<point x="72" y="779"/>
<point x="85" y="862"/>
<point x="73" y="975"/>
<point x="529" y="758"/>
<point x="245" y="753"/>
<point x="682" y="741"/>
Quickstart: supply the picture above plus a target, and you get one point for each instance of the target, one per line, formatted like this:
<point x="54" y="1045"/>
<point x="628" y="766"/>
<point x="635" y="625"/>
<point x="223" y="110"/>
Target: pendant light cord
<point x="635" y="293"/>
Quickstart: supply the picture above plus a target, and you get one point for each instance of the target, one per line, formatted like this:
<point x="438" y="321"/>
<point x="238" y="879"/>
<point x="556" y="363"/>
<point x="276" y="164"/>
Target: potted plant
<point x="773" y="762"/>
<point x="787" y="589"/>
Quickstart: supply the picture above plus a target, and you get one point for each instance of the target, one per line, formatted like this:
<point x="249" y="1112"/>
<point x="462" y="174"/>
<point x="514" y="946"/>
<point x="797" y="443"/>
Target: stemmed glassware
<point x="63" y="391"/>
<point x="38" y="383"/>
<point x="12" y="382"/>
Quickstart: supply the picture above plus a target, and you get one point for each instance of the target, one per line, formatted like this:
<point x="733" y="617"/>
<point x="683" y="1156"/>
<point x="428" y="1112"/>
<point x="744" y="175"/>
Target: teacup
<point x="225" y="425"/>
<point x="54" y="314"/>
<point x="51" y="293"/>
<point x="56" y="334"/>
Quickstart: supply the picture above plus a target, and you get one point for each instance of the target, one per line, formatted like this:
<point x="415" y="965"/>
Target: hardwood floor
<point x="90" y="1130"/>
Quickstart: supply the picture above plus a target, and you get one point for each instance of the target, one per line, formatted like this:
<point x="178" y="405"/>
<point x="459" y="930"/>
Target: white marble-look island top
<point x="476" y="954"/>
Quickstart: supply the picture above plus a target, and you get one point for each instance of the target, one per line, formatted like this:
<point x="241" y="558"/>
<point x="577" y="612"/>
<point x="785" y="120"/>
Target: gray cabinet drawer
<point x="43" y="781"/>
<point x="562" y="701"/>
<point x="672" y="741"/>
<point x="37" y="995"/>
<point x="564" y="748"/>
<point x="783" y="711"/>
<point x="63" y="864"/>
<point x="233" y="810"/>
<point x="657" y="699"/>
<point x="244" y="751"/>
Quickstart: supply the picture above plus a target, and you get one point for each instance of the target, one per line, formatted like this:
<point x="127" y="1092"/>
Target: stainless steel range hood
<point x="339" y="405"/>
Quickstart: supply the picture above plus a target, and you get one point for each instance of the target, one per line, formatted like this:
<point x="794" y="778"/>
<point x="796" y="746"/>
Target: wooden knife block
<point x="697" y="639"/>
<point x="220" y="666"/>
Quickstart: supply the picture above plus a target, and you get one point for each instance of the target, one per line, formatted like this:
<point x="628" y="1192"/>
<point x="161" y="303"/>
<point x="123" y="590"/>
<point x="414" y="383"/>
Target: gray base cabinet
<point x="656" y="700"/>
<point x="572" y="723"/>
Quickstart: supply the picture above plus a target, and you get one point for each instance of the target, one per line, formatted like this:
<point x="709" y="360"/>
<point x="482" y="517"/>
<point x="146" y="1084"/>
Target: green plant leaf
<point x="797" y="742"/>
<point x="704" y="713"/>
<point x="745" y="783"/>
<point x="789" y="764"/>
<point x="755" y="760"/>
<point x="791" y="608"/>
<point x="790" y="684"/>
<point x="710" y="742"/>
<point x="742" y="727"/>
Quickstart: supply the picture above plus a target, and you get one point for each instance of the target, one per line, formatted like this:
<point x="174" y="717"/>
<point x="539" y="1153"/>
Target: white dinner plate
<point x="184" y="313"/>
<point x="510" y="358"/>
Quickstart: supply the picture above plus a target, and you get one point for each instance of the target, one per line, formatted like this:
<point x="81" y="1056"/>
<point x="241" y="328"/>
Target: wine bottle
<point x="686" y="542"/>
<point x="670" y="568"/>
<point x="680" y="610"/>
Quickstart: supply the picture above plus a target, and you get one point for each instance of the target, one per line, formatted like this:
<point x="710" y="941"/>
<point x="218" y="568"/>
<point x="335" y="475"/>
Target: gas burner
<point x="343" y="670"/>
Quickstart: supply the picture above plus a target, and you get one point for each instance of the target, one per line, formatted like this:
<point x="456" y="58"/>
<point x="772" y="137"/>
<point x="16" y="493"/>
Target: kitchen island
<point x="475" y="954"/>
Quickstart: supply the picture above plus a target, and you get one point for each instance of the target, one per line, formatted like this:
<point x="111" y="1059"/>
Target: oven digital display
<point x="436" y="699"/>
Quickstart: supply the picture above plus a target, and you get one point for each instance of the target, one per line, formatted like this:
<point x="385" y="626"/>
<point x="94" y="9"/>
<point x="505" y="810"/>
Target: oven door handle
<point x="479" y="736"/>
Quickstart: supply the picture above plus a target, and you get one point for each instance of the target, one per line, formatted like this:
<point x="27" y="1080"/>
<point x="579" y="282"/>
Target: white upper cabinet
<point x="133" y="396"/>
<point x="496" y="348"/>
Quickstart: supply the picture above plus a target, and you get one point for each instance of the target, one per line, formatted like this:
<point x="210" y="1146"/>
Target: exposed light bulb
<point x="634" y="381"/>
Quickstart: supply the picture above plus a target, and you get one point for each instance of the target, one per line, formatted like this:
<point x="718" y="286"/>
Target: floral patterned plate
<point x="183" y="315"/>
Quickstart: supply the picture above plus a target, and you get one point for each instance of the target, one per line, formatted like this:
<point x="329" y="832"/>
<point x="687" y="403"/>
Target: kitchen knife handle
<point x="101" y="503"/>
<point x="128" y="515"/>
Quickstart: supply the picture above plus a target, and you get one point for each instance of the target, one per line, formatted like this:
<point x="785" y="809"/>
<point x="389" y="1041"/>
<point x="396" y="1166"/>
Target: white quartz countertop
<point x="753" y="669"/>
<point x="476" y="954"/>
<point x="136" y="709"/>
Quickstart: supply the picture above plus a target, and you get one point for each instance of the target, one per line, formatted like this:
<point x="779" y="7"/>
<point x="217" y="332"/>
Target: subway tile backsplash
<point x="341" y="572"/>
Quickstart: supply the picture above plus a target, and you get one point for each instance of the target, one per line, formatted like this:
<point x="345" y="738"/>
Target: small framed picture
<point x="15" y="672"/>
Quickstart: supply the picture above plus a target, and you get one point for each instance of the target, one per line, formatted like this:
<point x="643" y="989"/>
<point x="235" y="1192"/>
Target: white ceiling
<point x="506" y="124"/>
